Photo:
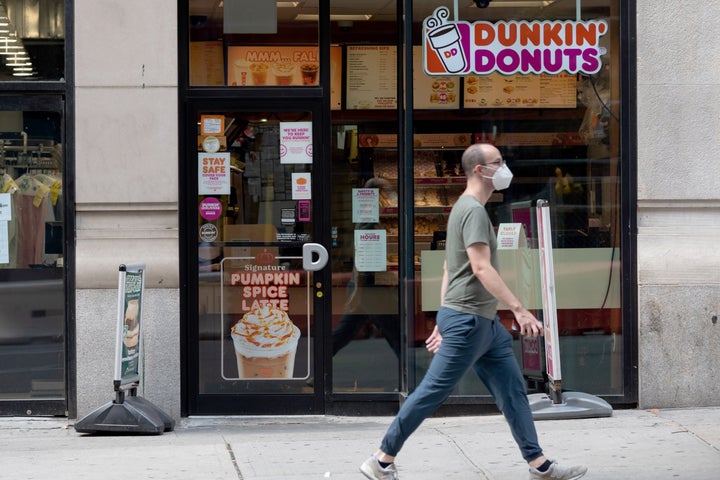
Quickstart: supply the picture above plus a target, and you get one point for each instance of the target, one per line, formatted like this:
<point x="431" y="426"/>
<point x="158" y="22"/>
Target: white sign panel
<point x="4" y="243"/>
<point x="511" y="236"/>
<point x="547" y="276"/>
<point x="510" y="47"/>
<point x="296" y="142"/>
<point x="365" y="205"/>
<point x="214" y="173"/>
<point x="301" y="186"/>
<point x="5" y="207"/>
<point x="5" y="217"/>
<point x="370" y="250"/>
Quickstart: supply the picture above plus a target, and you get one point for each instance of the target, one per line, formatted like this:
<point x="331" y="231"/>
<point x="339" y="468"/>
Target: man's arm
<point x="479" y="255"/>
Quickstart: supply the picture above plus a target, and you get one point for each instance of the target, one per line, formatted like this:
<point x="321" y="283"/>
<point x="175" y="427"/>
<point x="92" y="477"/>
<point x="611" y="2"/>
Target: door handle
<point x="314" y="264"/>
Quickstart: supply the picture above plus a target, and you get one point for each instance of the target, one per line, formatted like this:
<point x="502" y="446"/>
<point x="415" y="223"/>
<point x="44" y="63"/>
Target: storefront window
<point x="250" y="43"/>
<point x="388" y="156"/>
<point x="32" y="40"/>
<point x="32" y="294"/>
<point x="557" y="128"/>
<point x="366" y="331"/>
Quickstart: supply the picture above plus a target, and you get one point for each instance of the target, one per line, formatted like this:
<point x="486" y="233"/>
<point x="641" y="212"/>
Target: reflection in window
<point x="32" y="40"/>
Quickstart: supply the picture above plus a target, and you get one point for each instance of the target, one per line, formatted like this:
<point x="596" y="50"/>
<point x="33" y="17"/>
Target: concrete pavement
<point x="632" y="444"/>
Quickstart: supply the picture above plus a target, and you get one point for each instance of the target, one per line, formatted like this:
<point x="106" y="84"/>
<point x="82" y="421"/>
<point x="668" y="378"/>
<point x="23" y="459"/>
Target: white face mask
<point x="501" y="178"/>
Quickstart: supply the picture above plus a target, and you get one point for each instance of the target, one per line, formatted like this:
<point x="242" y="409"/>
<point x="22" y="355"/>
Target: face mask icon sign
<point x="445" y="41"/>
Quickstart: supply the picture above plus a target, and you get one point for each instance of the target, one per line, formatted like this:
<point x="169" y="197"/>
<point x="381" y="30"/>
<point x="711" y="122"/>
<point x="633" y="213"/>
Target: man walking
<point x="468" y="333"/>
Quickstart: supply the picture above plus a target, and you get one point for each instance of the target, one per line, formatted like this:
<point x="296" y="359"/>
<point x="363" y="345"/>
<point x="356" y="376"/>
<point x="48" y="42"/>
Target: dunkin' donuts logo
<point x="523" y="47"/>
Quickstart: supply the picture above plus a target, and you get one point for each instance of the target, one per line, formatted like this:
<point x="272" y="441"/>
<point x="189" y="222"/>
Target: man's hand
<point x="433" y="341"/>
<point x="529" y="325"/>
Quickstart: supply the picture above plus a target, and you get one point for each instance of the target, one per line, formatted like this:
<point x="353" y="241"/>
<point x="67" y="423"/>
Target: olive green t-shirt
<point x="468" y="224"/>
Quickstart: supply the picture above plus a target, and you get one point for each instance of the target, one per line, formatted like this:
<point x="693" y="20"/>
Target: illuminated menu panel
<point x="371" y="77"/>
<point x="520" y="91"/>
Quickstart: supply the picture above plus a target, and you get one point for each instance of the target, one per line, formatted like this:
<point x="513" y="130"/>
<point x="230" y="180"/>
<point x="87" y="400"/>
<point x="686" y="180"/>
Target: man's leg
<point x="498" y="369"/>
<point x="463" y="342"/>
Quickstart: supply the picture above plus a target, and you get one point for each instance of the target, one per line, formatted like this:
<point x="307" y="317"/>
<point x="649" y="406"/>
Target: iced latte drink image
<point x="284" y="73"/>
<point x="265" y="342"/>
<point x="132" y="324"/>
<point x="258" y="72"/>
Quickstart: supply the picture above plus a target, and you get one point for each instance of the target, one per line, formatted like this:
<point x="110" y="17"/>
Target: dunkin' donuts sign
<point x="514" y="47"/>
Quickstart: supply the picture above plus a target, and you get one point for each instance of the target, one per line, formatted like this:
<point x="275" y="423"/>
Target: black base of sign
<point x="132" y="414"/>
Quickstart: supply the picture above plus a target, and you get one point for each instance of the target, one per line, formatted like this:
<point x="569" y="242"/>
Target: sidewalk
<point x="632" y="444"/>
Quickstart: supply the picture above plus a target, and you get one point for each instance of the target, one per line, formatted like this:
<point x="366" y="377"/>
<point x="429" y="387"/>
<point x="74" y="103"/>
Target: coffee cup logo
<point x="445" y="41"/>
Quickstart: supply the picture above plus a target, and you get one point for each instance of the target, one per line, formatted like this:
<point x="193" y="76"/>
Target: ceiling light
<point x="23" y="74"/>
<point x="315" y="17"/>
<point x="287" y="4"/>
<point x="17" y="61"/>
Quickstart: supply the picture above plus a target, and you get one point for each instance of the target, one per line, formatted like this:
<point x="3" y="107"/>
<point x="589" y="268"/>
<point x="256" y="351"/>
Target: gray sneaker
<point x="372" y="470"/>
<point x="558" y="472"/>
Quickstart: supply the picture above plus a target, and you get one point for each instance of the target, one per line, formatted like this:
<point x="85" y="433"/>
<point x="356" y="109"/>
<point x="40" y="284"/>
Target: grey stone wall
<point x="126" y="152"/>
<point x="160" y="371"/>
<point x="678" y="112"/>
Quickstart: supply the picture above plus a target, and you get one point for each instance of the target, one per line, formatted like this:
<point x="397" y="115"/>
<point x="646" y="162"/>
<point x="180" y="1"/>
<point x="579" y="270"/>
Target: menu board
<point x="206" y="64"/>
<point x="270" y="66"/>
<point x="371" y="77"/>
<point x="558" y="91"/>
<point x="520" y="91"/>
<point x="531" y="139"/>
<point x="433" y="92"/>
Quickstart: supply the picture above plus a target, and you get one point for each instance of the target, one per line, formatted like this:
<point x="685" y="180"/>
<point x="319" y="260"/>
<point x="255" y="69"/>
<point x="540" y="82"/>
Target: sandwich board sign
<point x="558" y="404"/>
<point x="128" y="412"/>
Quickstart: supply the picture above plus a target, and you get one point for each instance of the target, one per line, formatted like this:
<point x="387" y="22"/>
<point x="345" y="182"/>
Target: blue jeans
<point x="486" y="346"/>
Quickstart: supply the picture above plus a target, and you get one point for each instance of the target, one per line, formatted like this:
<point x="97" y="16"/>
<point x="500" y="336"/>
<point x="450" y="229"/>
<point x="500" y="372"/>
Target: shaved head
<point x="478" y="154"/>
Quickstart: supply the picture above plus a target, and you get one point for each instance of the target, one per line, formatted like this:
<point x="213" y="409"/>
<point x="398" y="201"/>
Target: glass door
<point x="257" y="253"/>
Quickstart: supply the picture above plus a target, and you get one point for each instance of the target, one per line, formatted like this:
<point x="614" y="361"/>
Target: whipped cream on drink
<point x="265" y="342"/>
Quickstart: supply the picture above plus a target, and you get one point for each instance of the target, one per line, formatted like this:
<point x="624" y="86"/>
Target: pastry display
<point x="425" y="163"/>
<point x="388" y="198"/>
<point x="429" y="197"/>
<point x="427" y="224"/>
<point x="385" y="166"/>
